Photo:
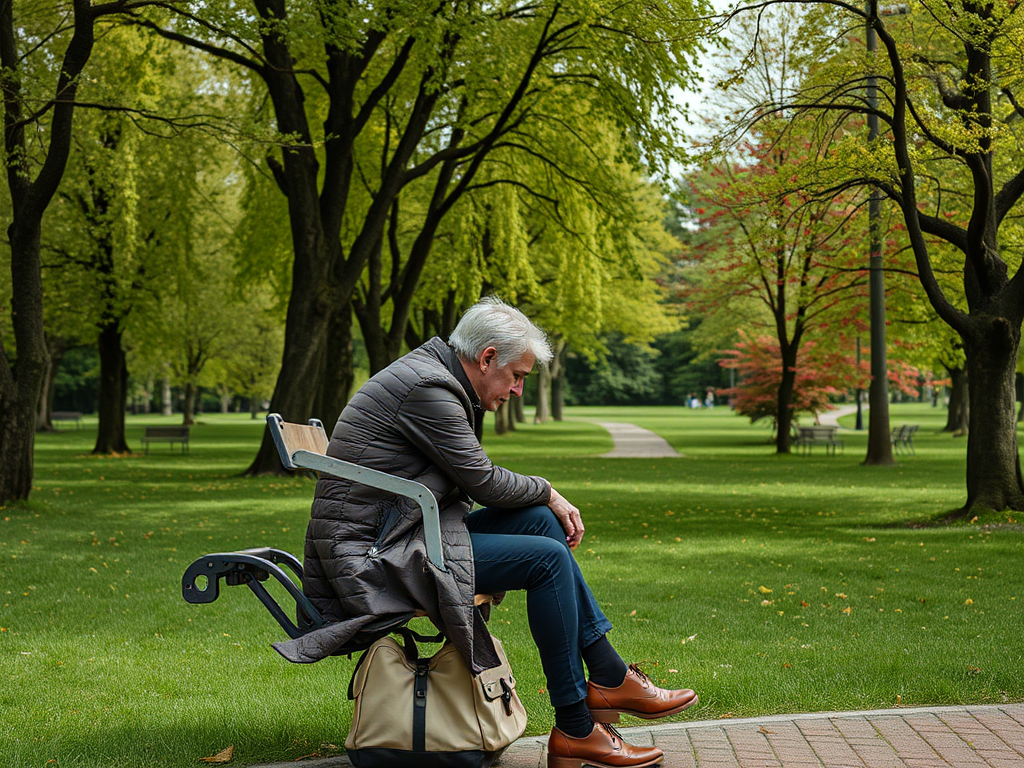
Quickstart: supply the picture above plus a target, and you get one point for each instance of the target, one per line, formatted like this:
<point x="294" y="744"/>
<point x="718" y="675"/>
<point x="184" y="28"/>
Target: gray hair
<point x="493" y="323"/>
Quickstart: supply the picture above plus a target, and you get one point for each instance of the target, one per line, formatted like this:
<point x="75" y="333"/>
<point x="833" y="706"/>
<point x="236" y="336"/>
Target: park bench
<point x="903" y="438"/>
<point x="303" y="446"/>
<point x="170" y="435"/>
<point x="808" y="437"/>
<point x="75" y="416"/>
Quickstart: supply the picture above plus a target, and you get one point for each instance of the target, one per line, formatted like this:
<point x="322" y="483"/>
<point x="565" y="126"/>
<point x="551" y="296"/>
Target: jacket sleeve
<point x="434" y="420"/>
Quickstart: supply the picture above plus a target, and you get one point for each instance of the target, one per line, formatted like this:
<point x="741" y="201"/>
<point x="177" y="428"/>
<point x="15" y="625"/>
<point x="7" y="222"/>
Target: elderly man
<point x="365" y="561"/>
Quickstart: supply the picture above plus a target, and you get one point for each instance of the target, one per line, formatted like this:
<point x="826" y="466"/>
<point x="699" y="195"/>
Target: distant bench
<point x="75" y="416"/>
<point x="808" y="437"/>
<point x="903" y="438"/>
<point x="170" y="435"/>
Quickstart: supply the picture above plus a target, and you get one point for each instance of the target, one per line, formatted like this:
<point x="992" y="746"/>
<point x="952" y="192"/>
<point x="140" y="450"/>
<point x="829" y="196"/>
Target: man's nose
<point x="517" y="389"/>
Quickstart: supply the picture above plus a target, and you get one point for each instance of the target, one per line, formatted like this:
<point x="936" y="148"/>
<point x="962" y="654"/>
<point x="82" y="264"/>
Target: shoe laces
<point x="644" y="679"/>
<point x="613" y="733"/>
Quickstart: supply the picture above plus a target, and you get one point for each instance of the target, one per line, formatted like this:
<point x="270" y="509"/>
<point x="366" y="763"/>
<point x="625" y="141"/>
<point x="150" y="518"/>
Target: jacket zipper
<point x="390" y="521"/>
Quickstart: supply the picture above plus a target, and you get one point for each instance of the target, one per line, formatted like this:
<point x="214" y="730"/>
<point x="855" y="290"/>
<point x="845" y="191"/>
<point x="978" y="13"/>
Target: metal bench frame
<point x="303" y="446"/>
<point x="75" y="416"/>
<point x="807" y="437"/>
<point x="179" y="434"/>
<point x="903" y="438"/>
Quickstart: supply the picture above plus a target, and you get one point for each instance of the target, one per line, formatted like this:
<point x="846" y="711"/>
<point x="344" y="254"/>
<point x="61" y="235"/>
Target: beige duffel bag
<point x="430" y="713"/>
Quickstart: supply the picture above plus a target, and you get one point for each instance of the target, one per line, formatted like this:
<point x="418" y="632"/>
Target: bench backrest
<point x="290" y="437"/>
<point x="304" y="446"/>
<point x="166" y="431"/>
<point x="818" y="432"/>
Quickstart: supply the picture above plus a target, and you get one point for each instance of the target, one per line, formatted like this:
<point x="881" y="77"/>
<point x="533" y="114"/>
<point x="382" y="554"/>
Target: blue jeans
<point x="525" y="549"/>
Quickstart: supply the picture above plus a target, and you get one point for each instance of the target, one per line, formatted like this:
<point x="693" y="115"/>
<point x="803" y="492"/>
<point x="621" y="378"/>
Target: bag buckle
<point x="420" y="686"/>
<point x="506" y="697"/>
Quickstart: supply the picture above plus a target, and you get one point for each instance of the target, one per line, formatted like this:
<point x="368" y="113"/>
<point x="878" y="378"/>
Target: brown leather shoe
<point x="603" y="748"/>
<point x="637" y="696"/>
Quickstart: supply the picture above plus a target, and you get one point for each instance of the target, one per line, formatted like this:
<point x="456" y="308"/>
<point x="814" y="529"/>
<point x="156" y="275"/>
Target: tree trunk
<point x="254" y="408"/>
<point x="517" y="411"/>
<point x="56" y="346"/>
<point x="225" y="403"/>
<point x="557" y="380"/>
<point x="784" y="406"/>
<point x="338" y="373"/>
<point x="543" y="412"/>
<point x="113" y="392"/>
<point x="147" y="404"/>
<point x="21" y="382"/>
<point x="958" y="416"/>
<point x="993" y="464"/>
<point x="17" y="435"/>
<point x="166" y="403"/>
<point x="188" y="409"/>
<point x="302" y="368"/>
<point x="501" y="420"/>
<point x="43" y="421"/>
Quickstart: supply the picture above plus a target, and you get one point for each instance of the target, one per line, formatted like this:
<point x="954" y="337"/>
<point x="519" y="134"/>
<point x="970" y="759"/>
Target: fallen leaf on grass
<point x="224" y="756"/>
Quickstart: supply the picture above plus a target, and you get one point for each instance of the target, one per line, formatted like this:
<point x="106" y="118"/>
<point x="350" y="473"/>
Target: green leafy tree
<point x="405" y="93"/>
<point x="132" y="204"/>
<point x="43" y="54"/>
<point x="944" y="87"/>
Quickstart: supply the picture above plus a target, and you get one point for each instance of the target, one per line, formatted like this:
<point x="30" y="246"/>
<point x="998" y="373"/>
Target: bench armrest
<point x="250" y="567"/>
<point x="410" y="489"/>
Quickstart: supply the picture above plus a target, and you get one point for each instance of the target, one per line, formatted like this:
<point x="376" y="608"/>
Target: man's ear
<point x="487" y="358"/>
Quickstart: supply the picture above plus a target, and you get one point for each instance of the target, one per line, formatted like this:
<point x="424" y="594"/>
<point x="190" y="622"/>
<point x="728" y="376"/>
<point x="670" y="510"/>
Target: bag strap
<point x="352" y="680"/>
<point x="419" y="712"/>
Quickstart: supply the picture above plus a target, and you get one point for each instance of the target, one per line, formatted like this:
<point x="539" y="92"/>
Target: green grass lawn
<point x="769" y="584"/>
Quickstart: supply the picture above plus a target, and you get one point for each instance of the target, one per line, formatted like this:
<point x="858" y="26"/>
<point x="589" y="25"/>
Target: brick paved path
<point x="933" y="737"/>
<point x="942" y="737"/>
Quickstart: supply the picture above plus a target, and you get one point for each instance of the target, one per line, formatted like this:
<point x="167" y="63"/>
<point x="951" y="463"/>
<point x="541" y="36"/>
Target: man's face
<point x="495" y="385"/>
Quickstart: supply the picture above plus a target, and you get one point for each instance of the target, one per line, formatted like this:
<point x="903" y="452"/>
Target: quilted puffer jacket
<point x="365" y="560"/>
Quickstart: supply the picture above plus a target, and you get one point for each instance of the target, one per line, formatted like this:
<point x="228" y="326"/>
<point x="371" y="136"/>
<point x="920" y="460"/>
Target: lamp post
<point x="879" y="444"/>
<point x="860" y="393"/>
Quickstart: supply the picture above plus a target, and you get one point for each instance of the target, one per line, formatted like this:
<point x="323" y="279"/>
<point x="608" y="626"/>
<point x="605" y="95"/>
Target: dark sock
<point x="574" y="720"/>
<point x="605" y="666"/>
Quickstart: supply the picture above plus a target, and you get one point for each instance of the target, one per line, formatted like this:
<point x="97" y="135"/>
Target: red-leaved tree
<point x="779" y="263"/>
<point x="826" y="370"/>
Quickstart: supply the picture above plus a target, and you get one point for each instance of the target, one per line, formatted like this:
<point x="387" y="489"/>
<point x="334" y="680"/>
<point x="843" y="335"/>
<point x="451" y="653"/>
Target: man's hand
<point x="568" y="516"/>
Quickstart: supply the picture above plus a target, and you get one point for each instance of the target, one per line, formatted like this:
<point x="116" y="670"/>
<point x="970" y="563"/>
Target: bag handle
<point x="409" y="638"/>
<point x="412" y="655"/>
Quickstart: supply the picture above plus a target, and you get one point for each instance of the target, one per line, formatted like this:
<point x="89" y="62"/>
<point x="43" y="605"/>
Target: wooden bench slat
<point x="172" y="435"/>
<point x="303" y="437"/>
